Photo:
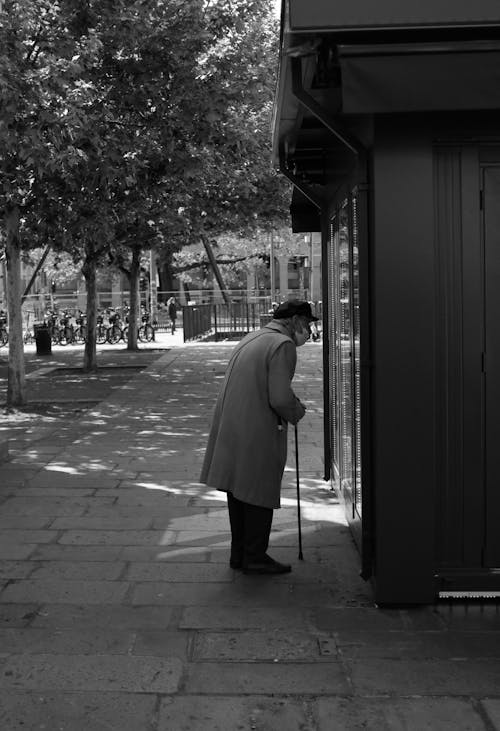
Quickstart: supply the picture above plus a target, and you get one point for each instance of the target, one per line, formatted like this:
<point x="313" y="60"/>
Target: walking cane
<point x="301" y="557"/>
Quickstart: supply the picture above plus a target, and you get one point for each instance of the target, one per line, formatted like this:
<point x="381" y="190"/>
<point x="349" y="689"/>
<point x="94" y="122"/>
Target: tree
<point x="134" y="123"/>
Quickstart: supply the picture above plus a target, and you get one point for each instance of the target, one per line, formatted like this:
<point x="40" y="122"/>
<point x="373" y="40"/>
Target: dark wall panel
<point x="403" y="355"/>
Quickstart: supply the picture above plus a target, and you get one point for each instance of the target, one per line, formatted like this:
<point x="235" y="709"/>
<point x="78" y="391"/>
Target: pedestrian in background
<point x="172" y="312"/>
<point x="247" y="445"/>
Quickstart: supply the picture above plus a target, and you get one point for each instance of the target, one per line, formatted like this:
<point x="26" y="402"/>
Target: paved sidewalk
<point x="118" y="609"/>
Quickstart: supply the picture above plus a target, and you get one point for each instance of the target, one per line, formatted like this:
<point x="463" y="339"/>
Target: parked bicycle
<point x="100" y="330"/>
<point x="65" y="331"/>
<point x="80" y="332"/>
<point x="115" y="331"/>
<point x="146" y="331"/>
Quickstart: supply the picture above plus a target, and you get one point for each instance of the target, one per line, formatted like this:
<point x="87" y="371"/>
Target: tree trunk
<point x="134" y="314"/>
<point x="89" y="272"/>
<point x="16" y="384"/>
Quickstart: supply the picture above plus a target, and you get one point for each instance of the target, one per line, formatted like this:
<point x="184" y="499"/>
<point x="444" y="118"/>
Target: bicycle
<point x="146" y="331"/>
<point x="115" y="332"/>
<point x="51" y="322"/>
<point x="80" y="332"/>
<point x="66" y="333"/>
<point x="100" y="331"/>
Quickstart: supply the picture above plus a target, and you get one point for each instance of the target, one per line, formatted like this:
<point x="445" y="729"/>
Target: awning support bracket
<point x="317" y="110"/>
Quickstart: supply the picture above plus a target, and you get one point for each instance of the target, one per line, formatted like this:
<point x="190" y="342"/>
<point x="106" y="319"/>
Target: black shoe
<point x="266" y="566"/>
<point x="236" y="564"/>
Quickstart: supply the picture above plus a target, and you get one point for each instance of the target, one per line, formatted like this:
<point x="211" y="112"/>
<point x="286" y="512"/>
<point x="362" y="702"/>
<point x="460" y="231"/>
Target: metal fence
<point x="218" y="321"/>
<point x="227" y="321"/>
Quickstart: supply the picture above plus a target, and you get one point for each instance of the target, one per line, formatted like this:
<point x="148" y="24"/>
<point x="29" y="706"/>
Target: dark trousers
<point x="250" y="530"/>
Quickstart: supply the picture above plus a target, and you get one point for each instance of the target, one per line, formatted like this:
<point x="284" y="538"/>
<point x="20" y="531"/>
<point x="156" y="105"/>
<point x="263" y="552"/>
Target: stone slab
<point x="57" y="552"/>
<point x="395" y="714"/>
<point x="178" y="572"/>
<point x="163" y="643"/>
<point x="252" y="591"/>
<point x="65" y="592"/>
<point x="27" y="711"/>
<point x="16" y="569"/>
<point x="21" y="522"/>
<point x="76" y="641"/>
<point x="103" y="673"/>
<point x="118" y="616"/>
<point x="252" y="646"/>
<point x="267" y="678"/>
<point x="104" y="522"/>
<point x="189" y="554"/>
<point x="202" y="713"/>
<point x="492" y="708"/>
<point x="17" y="615"/>
<point x="16" y="552"/>
<point x="425" y="677"/>
<point x="241" y="617"/>
<point x="76" y="570"/>
<point x="16" y="537"/>
<point x="49" y="505"/>
<point x="117" y="537"/>
<point x="454" y="645"/>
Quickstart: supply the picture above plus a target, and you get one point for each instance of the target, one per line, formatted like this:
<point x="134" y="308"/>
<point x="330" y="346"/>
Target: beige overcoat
<point x="247" y="449"/>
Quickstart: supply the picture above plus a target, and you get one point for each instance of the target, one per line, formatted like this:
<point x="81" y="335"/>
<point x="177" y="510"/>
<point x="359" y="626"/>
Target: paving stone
<point x="469" y="617"/>
<point x="19" y="522"/>
<point x="15" y="569"/>
<point x="257" y="591"/>
<point x="425" y="677"/>
<point x="64" y="479"/>
<point x="118" y="616"/>
<point x="117" y="537"/>
<point x="268" y="678"/>
<point x="178" y="572"/>
<point x="189" y="554"/>
<point x="13" y="552"/>
<point x="105" y="522"/>
<point x="454" y="645"/>
<point x="46" y="505"/>
<point x="76" y="641"/>
<point x="199" y="713"/>
<point x="335" y="619"/>
<point x="17" y="615"/>
<point x="47" y="492"/>
<point x="77" y="571"/>
<point x="65" y="592"/>
<point x="162" y="643"/>
<point x="492" y="708"/>
<point x="241" y="617"/>
<point x="274" y="646"/>
<point x="395" y="714"/>
<point x="9" y="537"/>
<point x="102" y="673"/>
<point x="57" y="711"/>
<point x="56" y="552"/>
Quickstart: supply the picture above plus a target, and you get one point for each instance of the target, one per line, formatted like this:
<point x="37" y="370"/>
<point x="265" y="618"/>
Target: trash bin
<point x="42" y="339"/>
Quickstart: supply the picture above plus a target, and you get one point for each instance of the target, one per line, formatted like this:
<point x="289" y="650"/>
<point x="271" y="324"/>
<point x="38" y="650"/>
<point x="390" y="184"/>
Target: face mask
<point x="302" y="336"/>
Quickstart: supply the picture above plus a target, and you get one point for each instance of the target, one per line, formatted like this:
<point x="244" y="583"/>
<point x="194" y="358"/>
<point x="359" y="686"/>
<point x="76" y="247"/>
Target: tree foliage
<point x="129" y="124"/>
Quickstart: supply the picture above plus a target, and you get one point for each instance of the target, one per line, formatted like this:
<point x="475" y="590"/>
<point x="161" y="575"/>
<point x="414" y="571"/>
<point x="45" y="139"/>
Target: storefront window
<point x="345" y="426"/>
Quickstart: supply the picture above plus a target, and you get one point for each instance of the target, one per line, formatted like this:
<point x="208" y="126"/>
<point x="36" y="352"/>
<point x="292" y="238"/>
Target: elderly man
<point x="247" y="444"/>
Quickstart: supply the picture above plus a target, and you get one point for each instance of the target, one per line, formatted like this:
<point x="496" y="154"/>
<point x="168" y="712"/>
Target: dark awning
<point x="410" y="82"/>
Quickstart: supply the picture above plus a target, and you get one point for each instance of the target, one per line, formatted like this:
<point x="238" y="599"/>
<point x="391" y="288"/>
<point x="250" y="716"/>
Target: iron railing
<point x="219" y="321"/>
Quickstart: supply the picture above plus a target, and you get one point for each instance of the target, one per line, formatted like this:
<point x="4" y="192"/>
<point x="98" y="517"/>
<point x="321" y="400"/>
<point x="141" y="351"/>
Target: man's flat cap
<point x="294" y="307"/>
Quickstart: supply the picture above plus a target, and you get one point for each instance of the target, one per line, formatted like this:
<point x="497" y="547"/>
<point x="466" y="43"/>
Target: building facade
<point x="387" y="122"/>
